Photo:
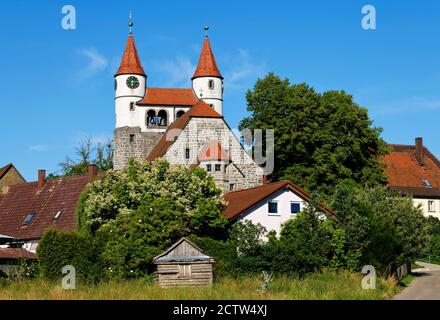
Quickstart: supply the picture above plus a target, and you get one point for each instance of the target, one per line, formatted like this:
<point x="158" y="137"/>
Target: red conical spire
<point x="207" y="66"/>
<point x="131" y="64"/>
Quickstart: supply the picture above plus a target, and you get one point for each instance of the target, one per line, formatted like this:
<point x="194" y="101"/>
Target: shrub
<point x="57" y="249"/>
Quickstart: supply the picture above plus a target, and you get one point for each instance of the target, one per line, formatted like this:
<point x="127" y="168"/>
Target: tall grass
<point x="326" y="286"/>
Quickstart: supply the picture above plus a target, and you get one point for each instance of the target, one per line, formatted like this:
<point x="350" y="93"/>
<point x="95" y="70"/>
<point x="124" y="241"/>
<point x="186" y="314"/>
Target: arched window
<point x="179" y="114"/>
<point x="162" y="118"/>
<point x="151" y="118"/>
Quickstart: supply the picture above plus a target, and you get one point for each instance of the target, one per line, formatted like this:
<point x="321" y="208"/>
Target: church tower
<point x="207" y="81"/>
<point x="130" y="87"/>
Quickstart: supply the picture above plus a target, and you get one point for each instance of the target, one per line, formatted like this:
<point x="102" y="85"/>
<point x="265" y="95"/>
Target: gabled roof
<point x="240" y="201"/>
<point x="169" y="96"/>
<point x="16" y="253"/>
<point x="406" y="174"/>
<point x="199" y="110"/>
<point x="207" y="66"/>
<point x="22" y="199"/>
<point x="165" y="256"/>
<point x="213" y="151"/>
<point x="4" y="170"/>
<point x="130" y="64"/>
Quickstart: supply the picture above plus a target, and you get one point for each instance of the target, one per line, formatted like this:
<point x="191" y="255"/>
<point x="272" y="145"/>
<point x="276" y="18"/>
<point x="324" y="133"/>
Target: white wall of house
<point x="430" y="207"/>
<point x="259" y="213"/>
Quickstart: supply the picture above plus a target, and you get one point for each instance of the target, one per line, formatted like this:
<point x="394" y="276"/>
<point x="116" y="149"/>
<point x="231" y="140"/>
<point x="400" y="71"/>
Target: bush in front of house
<point x="58" y="249"/>
<point x="142" y="210"/>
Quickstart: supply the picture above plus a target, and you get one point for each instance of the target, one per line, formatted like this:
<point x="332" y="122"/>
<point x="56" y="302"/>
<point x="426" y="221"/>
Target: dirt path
<point x="426" y="285"/>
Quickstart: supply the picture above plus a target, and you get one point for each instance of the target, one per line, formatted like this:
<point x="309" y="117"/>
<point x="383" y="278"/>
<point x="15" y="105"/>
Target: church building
<point x="184" y="126"/>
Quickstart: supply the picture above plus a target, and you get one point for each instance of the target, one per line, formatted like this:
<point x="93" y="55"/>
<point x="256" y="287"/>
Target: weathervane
<point x="130" y="24"/>
<point x="206" y="30"/>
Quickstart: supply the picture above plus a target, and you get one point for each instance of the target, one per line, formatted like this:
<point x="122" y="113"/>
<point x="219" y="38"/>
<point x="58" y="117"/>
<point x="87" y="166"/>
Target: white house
<point x="270" y="205"/>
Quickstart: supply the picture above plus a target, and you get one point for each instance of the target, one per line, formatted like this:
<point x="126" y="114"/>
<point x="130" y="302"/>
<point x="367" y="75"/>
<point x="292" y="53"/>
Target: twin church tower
<point x="143" y="114"/>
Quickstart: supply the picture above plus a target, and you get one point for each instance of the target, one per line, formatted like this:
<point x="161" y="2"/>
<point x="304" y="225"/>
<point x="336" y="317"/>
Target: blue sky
<point x="57" y="85"/>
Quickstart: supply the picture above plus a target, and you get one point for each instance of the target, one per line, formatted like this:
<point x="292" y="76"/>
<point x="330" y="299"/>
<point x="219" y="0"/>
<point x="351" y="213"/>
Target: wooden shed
<point x="183" y="264"/>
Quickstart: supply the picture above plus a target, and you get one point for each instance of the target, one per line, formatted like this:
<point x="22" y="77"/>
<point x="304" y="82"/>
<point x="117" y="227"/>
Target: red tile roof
<point x="213" y="151"/>
<point x="169" y="96"/>
<point x="240" y="201"/>
<point x="56" y="195"/>
<point x="130" y="64"/>
<point x="207" y="66"/>
<point x="16" y="253"/>
<point x="405" y="173"/>
<point x="199" y="110"/>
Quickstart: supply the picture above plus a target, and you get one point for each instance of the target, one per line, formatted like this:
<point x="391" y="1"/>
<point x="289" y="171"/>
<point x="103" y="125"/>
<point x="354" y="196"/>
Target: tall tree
<point x="320" y="139"/>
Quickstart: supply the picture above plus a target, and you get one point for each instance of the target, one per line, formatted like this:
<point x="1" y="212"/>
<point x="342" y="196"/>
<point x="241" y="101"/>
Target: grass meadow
<point x="322" y="286"/>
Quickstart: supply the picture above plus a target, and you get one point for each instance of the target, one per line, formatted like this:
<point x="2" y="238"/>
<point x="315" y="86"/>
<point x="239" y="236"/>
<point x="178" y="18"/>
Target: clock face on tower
<point x="132" y="82"/>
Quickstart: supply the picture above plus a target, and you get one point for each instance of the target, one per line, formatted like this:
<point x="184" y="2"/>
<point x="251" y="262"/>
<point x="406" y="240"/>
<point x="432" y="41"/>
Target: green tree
<point x="193" y="192"/>
<point x="87" y="153"/>
<point x="320" y="139"/>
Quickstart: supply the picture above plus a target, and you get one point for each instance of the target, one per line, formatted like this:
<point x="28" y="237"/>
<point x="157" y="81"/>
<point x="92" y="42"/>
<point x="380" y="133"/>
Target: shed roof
<point x="167" y="255"/>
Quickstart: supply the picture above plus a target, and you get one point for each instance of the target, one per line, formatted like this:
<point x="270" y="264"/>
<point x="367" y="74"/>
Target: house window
<point x="231" y="187"/>
<point x="295" y="207"/>
<point x="211" y="84"/>
<point x="28" y="218"/>
<point x="218" y="168"/>
<point x="187" y="154"/>
<point x="208" y="168"/>
<point x="131" y="138"/>
<point x="273" y="207"/>
<point x="431" y="206"/>
<point x="131" y="106"/>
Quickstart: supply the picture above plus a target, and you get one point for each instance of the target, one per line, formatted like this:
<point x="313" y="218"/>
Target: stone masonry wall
<point x="244" y="173"/>
<point x="139" y="149"/>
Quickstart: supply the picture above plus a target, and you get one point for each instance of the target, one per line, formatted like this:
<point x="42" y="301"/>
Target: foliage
<point x="58" y="249"/>
<point x="320" y="139"/>
<point x="25" y="269"/>
<point x="193" y="193"/>
<point x="247" y="236"/>
<point x="376" y="226"/>
<point x="140" y="211"/>
<point x="101" y="155"/>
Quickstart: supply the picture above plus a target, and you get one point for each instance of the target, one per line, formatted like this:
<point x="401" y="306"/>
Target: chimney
<point x="419" y="151"/>
<point x="41" y="179"/>
<point x="91" y="173"/>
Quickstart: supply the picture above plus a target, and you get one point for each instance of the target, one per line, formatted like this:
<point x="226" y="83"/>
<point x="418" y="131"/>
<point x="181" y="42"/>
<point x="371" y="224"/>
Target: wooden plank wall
<point x="172" y="274"/>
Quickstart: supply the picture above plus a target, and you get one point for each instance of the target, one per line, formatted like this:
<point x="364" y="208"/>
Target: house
<point x="28" y="209"/>
<point x="413" y="170"/>
<point x="270" y="205"/>
<point x="183" y="264"/>
<point x="9" y="175"/>
<point x="179" y="125"/>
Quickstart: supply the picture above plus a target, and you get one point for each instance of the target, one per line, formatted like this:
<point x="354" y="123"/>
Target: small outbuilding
<point x="183" y="264"/>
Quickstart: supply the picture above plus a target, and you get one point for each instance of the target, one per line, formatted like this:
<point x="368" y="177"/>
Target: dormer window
<point x="211" y="84"/>
<point x="29" y="218"/>
<point x="426" y="183"/>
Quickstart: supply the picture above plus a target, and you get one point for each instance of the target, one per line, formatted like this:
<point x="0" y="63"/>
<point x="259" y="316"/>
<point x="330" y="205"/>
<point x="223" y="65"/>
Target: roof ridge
<point x="264" y="185"/>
